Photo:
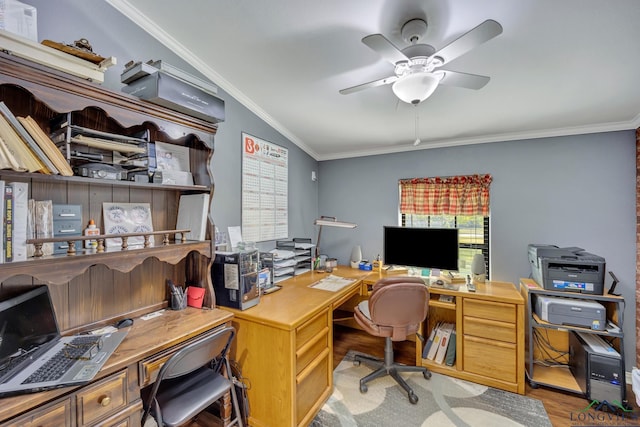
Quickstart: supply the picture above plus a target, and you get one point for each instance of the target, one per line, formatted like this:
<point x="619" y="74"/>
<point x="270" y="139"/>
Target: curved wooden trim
<point x="62" y="92"/>
<point x="59" y="269"/>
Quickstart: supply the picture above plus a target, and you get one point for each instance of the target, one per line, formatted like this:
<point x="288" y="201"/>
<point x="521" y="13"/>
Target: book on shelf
<point x="436" y="342"/>
<point x="28" y="141"/>
<point x="20" y="214"/>
<point x="444" y="342"/>
<point x="2" y="223"/>
<point x="450" y="357"/>
<point x="193" y="211"/>
<point x="7" y="159"/>
<point x="7" y="223"/>
<point x="17" y="148"/>
<point x="46" y="144"/>
<point x="427" y="345"/>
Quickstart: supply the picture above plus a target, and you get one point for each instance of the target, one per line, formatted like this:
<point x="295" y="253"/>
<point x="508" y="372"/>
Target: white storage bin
<point x="19" y="18"/>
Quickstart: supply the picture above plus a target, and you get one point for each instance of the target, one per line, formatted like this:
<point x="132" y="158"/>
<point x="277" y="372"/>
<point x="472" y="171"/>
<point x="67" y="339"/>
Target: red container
<point x="195" y="296"/>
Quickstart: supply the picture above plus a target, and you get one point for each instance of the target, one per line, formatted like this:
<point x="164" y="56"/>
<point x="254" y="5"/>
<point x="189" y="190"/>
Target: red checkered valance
<point x="454" y="195"/>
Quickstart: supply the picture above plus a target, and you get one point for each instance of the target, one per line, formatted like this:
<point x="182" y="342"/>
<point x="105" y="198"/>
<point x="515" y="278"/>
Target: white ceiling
<point x="559" y="67"/>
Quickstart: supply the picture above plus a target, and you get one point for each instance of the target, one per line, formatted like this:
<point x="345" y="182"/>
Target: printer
<point x="571" y="312"/>
<point x="567" y="269"/>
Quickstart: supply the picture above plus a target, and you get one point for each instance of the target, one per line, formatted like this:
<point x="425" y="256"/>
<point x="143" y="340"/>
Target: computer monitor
<point x="421" y="247"/>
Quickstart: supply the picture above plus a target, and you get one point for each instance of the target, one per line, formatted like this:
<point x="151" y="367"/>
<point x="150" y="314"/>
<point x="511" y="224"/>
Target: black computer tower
<point x="600" y="376"/>
<point x="235" y="279"/>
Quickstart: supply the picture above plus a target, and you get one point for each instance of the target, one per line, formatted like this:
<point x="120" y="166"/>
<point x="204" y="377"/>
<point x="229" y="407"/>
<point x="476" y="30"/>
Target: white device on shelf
<point x="598" y="344"/>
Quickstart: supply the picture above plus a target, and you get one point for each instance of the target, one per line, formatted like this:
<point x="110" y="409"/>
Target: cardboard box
<point x="19" y="18"/>
<point x="168" y="91"/>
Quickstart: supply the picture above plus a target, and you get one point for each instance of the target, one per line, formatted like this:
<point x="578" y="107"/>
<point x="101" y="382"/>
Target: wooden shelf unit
<point x="92" y="289"/>
<point x="30" y="89"/>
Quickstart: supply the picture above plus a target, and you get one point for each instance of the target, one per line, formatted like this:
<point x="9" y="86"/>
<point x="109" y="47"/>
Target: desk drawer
<point x="490" y="329"/>
<point x="311" y="329"/>
<point x="490" y="358"/>
<point x="489" y="310"/>
<point x="102" y="398"/>
<point x="311" y="350"/>
<point x="149" y="368"/>
<point x="130" y="417"/>
<point x="56" y="414"/>
<point x="313" y="383"/>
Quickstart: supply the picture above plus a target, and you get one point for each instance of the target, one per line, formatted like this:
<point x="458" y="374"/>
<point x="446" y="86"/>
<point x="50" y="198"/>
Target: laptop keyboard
<point x="13" y="361"/>
<point x="60" y="363"/>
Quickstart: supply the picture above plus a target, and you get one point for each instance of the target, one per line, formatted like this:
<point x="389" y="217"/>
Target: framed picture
<point x="121" y="218"/>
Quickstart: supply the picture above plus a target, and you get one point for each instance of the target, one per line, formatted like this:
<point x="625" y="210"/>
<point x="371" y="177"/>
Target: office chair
<point x="191" y="380"/>
<point x="396" y="308"/>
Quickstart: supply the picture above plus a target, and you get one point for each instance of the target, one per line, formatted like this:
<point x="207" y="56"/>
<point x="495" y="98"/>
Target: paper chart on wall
<point x="121" y="218"/>
<point x="264" y="190"/>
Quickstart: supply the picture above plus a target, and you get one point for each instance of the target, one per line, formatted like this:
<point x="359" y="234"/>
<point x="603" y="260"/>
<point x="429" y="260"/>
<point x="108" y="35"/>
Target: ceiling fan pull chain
<point x="417" y="141"/>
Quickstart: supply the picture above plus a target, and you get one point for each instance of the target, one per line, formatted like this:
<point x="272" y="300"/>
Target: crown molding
<point x="138" y="18"/>
<point x="142" y="21"/>
<point x="502" y="137"/>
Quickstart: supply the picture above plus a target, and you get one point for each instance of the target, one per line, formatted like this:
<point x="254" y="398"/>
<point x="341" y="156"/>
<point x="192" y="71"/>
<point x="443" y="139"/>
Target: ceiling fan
<point x="417" y="67"/>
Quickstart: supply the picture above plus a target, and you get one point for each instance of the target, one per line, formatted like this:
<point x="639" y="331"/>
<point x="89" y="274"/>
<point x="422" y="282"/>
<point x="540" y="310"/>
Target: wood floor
<point x="560" y="406"/>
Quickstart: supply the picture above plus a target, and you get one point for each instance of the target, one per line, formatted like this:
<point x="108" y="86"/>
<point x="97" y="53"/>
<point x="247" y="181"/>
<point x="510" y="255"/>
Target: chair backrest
<point x="198" y="353"/>
<point x="399" y="303"/>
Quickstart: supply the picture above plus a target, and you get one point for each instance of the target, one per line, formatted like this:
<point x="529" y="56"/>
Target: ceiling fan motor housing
<point x="414" y="30"/>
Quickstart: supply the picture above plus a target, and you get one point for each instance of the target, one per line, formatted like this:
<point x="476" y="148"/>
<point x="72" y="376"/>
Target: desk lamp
<point x="328" y="221"/>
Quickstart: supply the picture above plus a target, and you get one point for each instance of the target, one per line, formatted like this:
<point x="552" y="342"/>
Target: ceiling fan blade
<point x="385" y="48"/>
<point x="469" y="81"/>
<point x="375" y="83"/>
<point x="475" y="37"/>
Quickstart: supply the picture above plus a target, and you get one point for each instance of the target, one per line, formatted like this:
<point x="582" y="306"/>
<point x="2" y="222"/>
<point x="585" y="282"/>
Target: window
<point x="451" y="202"/>
<point x="473" y="234"/>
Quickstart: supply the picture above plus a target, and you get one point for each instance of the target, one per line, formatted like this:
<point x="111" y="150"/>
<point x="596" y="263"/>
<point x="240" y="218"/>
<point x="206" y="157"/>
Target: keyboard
<point x="13" y="361"/>
<point x="62" y="361"/>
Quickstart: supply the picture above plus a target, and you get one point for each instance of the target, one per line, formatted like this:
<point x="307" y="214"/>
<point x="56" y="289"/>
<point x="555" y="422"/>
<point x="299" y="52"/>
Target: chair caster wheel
<point x="413" y="398"/>
<point x="363" y="388"/>
<point x="426" y="375"/>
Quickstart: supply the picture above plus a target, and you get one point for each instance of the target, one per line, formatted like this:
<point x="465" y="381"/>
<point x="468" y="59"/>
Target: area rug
<point x="443" y="401"/>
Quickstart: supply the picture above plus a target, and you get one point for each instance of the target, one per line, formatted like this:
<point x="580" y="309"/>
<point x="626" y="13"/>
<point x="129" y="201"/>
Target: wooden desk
<point x="113" y="397"/>
<point x="490" y="332"/>
<point x="284" y="346"/>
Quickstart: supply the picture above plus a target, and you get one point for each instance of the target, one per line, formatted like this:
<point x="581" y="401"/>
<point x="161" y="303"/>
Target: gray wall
<point x="112" y="34"/>
<point x="565" y="191"/>
<point x="569" y="191"/>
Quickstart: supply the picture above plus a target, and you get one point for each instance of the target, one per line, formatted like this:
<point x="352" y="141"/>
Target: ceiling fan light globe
<point x="415" y="88"/>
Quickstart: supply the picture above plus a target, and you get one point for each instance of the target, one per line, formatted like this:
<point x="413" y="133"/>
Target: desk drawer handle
<point x="105" y="401"/>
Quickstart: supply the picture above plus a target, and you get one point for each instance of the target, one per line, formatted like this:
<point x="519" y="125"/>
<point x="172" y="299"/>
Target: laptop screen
<point x="26" y="322"/>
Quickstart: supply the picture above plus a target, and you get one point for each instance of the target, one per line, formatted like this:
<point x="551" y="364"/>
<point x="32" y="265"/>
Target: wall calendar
<point x="265" y="177"/>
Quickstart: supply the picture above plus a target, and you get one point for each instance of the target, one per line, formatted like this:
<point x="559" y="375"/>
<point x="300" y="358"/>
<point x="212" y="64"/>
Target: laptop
<point x="34" y="356"/>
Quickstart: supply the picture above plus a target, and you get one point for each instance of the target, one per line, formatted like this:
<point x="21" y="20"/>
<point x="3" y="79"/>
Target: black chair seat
<point x="189" y="395"/>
